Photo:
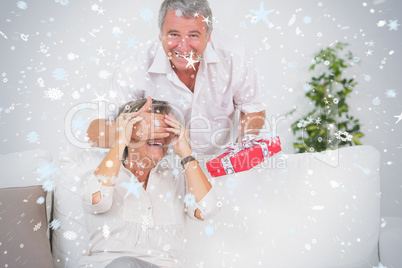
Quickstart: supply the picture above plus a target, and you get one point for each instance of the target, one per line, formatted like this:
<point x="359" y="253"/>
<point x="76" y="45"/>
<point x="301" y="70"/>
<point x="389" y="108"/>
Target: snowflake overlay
<point x="54" y="94"/>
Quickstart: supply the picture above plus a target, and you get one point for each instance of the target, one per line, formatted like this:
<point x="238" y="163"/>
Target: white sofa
<point x="303" y="210"/>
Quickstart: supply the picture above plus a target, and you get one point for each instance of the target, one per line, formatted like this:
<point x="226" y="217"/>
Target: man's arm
<point x="101" y="133"/>
<point x="251" y="123"/>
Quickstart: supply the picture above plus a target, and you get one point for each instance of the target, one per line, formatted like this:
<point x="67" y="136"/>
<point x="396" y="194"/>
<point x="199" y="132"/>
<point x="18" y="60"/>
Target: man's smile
<point x="184" y="55"/>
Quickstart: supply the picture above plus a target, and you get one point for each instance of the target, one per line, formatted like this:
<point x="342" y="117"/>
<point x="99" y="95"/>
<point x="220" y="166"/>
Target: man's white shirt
<point x="227" y="80"/>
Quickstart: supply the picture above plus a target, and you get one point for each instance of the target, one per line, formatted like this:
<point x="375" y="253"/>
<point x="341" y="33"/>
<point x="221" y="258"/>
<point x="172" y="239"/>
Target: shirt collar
<point x="161" y="63"/>
<point x="210" y="55"/>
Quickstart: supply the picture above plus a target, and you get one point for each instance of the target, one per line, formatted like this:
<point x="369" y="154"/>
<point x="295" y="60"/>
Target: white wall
<point x="60" y="29"/>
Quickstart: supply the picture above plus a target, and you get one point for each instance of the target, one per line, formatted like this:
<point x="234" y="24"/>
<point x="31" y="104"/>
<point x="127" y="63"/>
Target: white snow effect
<point x="54" y="94"/>
<point x="70" y="235"/>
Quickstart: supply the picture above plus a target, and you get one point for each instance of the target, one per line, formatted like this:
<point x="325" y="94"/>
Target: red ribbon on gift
<point x="242" y="156"/>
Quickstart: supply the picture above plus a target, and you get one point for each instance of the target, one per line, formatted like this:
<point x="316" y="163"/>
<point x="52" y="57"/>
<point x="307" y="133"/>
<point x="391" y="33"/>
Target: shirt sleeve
<point x="90" y="186"/>
<point x="248" y="90"/>
<point x="208" y="206"/>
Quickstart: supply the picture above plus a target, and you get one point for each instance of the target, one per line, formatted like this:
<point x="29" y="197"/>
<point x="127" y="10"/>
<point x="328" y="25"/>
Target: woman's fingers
<point x="136" y="119"/>
<point x="180" y="142"/>
<point x="171" y="118"/>
<point x="156" y="136"/>
<point x="134" y="114"/>
<point x="177" y="129"/>
<point x="173" y="130"/>
<point x="171" y="121"/>
<point x="140" y="133"/>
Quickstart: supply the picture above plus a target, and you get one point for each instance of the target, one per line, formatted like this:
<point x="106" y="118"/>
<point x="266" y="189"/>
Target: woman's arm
<point x="96" y="197"/>
<point x="198" y="184"/>
<point x="109" y="168"/>
<point x="95" y="129"/>
<point x="207" y="202"/>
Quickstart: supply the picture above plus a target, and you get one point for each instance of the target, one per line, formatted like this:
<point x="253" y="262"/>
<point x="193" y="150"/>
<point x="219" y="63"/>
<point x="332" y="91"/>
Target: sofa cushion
<point x="23" y="221"/>
<point x="28" y="168"/>
<point x="25" y="208"/>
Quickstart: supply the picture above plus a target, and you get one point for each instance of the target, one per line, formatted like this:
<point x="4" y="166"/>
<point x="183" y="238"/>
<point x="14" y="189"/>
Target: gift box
<point x="243" y="156"/>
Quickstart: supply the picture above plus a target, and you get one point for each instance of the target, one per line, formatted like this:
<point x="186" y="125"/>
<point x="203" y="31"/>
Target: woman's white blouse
<point x="148" y="224"/>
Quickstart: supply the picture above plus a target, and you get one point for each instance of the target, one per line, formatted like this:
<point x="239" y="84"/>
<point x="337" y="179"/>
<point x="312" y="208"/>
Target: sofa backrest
<point x="304" y="210"/>
<point x="301" y="210"/>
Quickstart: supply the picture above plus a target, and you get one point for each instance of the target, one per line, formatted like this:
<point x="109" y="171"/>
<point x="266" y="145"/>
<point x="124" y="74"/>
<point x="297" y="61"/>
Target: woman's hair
<point x="159" y="107"/>
<point x="187" y="9"/>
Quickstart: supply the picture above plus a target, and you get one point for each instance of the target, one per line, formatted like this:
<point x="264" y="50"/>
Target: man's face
<point x="182" y="37"/>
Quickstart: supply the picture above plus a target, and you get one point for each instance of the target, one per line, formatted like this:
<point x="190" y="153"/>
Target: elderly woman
<point x="137" y="205"/>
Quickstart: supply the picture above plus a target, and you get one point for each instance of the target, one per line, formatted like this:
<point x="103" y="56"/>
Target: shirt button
<point x="149" y="207"/>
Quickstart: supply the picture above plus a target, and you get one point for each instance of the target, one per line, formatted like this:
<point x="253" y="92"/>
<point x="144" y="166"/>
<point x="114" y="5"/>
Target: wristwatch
<point x="187" y="159"/>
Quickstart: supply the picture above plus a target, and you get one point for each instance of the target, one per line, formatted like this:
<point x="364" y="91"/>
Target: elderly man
<point x="204" y="78"/>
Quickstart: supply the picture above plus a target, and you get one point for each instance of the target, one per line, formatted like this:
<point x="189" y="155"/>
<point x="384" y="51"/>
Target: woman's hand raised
<point x="140" y="126"/>
<point x="180" y="140"/>
<point x="124" y="126"/>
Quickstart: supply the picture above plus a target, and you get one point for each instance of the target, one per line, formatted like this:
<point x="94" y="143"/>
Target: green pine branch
<point x="328" y="125"/>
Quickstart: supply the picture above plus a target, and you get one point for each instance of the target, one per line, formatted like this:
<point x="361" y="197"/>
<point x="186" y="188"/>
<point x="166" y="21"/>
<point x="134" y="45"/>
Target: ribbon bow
<point x="247" y="141"/>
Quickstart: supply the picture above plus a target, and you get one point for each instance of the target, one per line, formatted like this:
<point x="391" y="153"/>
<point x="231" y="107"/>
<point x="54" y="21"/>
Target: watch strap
<point x="187" y="159"/>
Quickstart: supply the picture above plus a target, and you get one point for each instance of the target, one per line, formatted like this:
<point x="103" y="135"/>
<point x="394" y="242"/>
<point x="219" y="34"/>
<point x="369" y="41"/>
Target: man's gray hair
<point x="187" y="9"/>
<point x="160" y="107"/>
